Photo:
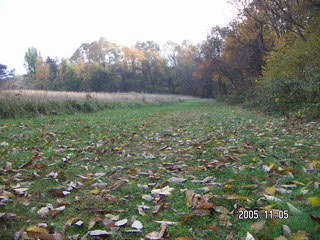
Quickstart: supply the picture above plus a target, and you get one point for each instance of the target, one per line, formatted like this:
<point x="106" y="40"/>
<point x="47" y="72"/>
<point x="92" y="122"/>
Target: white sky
<point x="57" y="27"/>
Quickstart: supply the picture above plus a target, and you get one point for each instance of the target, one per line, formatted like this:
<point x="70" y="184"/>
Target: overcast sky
<point x="57" y="27"/>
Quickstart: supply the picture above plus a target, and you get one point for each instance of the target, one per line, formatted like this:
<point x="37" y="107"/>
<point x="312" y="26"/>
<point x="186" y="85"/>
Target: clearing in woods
<point x="191" y="170"/>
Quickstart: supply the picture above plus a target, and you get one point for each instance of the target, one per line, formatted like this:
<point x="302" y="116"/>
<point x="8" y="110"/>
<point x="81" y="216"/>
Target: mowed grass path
<point x="100" y="168"/>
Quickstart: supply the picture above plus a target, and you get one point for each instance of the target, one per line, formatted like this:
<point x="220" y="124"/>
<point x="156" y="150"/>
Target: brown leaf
<point x="117" y="184"/>
<point x="257" y="226"/>
<point x="157" y="235"/>
<point x="27" y="164"/>
<point x="212" y="227"/>
<point x="224" y="220"/>
<point x="176" y="180"/>
<point x="196" y="213"/>
<point x="94" y="220"/>
<point x="56" y="193"/>
<point x="157" y="208"/>
<point x="317" y="219"/>
<point x="230" y="235"/>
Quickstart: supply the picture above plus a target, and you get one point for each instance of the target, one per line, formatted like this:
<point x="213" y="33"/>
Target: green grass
<point x="125" y="142"/>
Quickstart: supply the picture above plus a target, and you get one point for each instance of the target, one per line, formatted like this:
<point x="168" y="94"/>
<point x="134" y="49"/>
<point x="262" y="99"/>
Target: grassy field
<point x="31" y="103"/>
<point x="41" y="95"/>
<point x="190" y="170"/>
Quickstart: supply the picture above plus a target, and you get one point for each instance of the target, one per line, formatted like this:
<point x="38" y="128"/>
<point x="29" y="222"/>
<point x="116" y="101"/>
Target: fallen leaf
<point x="249" y="236"/>
<point x="94" y="220"/>
<point x="299" y="236"/>
<point x="314" y="201"/>
<point x="286" y="230"/>
<point x="236" y="197"/>
<point x="293" y="208"/>
<point x="137" y="225"/>
<point x="69" y="222"/>
<point x="96" y="190"/>
<point x="167" y="222"/>
<point x="190" y="194"/>
<point x="281" y="238"/>
<point x="121" y="223"/>
<point x="270" y="190"/>
<point x="230" y="235"/>
<point x="221" y="209"/>
<point x="157" y="235"/>
<point x="99" y="233"/>
<point x="224" y="220"/>
<point x="176" y="180"/>
<point x="315" y="218"/>
<point x="195" y="213"/>
<point x="257" y="226"/>
<point x="163" y="191"/>
<point x="117" y="184"/>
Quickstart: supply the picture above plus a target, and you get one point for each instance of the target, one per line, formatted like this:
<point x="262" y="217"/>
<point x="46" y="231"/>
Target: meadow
<point x="30" y="103"/>
<point x="195" y="169"/>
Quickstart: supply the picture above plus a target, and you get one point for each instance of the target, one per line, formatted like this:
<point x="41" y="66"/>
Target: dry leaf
<point x="224" y="220"/>
<point x="257" y="226"/>
<point x="137" y="225"/>
<point x="176" y="180"/>
<point x="281" y="238"/>
<point x="190" y="194"/>
<point x="293" y="208"/>
<point x="93" y="221"/>
<point x="270" y="190"/>
<point x="314" y="201"/>
<point x="249" y="236"/>
<point x="157" y="235"/>
<point x="163" y="191"/>
<point x="286" y="230"/>
<point x="99" y="233"/>
<point x="121" y="223"/>
<point x="299" y="236"/>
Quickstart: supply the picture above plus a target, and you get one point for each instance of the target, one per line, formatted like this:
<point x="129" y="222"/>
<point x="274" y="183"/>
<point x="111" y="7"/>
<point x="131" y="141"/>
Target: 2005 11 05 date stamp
<point x="263" y="214"/>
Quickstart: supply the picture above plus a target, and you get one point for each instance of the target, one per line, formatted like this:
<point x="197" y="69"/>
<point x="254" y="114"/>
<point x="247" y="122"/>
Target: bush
<point x="290" y="83"/>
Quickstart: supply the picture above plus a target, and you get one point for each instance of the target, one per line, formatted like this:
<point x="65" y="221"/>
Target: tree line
<point x="103" y="66"/>
<point x="267" y="57"/>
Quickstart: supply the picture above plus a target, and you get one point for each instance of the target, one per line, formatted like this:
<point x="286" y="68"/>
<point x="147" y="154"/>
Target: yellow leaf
<point x="271" y="165"/>
<point x="189" y="195"/>
<point x="37" y="229"/>
<point x="227" y="186"/>
<point x="218" y="143"/>
<point x="255" y="159"/>
<point x="315" y="201"/>
<point x="298" y="236"/>
<point x="270" y="190"/>
<point x="95" y="190"/>
<point x="268" y="207"/>
<point x="299" y="183"/>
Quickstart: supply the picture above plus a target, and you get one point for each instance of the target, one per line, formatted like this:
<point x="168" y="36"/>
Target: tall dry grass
<point x="41" y="95"/>
<point x="29" y="103"/>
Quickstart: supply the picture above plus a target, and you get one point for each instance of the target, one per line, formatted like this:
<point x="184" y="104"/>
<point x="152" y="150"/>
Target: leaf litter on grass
<point x="183" y="172"/>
